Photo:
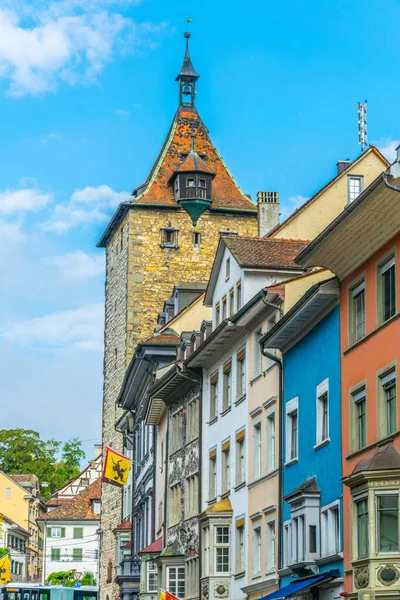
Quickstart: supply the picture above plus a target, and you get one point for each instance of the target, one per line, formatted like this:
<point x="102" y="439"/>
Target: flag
<point x="170" y="596"/>
<point x="162" y="595"/>
<point x="5" y="575"/>
<point x="116" y="468"/>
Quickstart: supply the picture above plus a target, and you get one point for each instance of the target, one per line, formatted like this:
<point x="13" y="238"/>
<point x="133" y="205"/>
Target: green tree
<point x="22" y="451"/>
<point x="67" y="578"/>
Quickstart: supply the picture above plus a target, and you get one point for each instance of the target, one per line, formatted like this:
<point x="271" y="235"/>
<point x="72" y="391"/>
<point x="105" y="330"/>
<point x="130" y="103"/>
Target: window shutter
<point x="62" y="532"/>
<point x="227" y="366"/>
<point x="49" y="532"/>
<point x="78" y="533"/>
<point x="240" y="435"/>
<point x="214" y="378"/>
<point x="241" y="354"/>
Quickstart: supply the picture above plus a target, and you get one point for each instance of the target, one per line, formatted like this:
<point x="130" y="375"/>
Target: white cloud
<point x="23" y="200"/>
<point x="11" y="232"/>
<point x="68" y="41"/>
<point x="387" y="147"/>
<point x="292" y="203"/>
<point x="91" y="205"/>
<point x="122" y="112"/>
<point x="81" y="327"/>
<point x="78" y="264"/>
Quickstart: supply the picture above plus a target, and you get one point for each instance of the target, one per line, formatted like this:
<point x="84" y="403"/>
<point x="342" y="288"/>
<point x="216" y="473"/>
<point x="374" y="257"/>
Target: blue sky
<point x="86" y="98"/>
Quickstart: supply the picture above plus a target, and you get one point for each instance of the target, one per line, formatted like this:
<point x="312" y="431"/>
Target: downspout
<point x="278" y="362"/>
<point x="389" y="185"/>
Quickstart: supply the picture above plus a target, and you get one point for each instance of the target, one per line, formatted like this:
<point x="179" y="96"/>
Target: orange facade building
<point x="362" y="247"/>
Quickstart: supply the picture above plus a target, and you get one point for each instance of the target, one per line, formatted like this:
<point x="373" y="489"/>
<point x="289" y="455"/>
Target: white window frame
<point x="54" y="532"/>
<point x="387" y="493"/>
<point x="330" y="529"/>
<point x="270" y="432"/>
<point x="321" y="390"/>
<point x="153" y="571"/>
<point x="350" y="178"/>
<point x="225" y="470"/>
<point x="292" y="406"/>
<point x="240" y="460"/>
<point x="179" y="569"/>
<point x="222" y="545"/>
<point x="257" y="550"/>
<point x="257" y="450"/>
<point x="258" y="357"/>
<point x="240" y="549"/>
<point x="355" y="288"/>
<point x="270" y="545"/>
<point x="212" y="476"/>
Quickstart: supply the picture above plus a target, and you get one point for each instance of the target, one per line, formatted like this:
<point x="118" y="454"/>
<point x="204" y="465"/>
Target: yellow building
<point x="21" y="502"/>
<point x="323" y="207"/>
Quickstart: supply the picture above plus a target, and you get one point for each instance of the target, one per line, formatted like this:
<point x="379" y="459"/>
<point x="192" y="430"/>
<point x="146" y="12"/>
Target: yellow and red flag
<point x="5" y="574"/>
<point x="169" y="596"/>
<point x="116" y="468"/>
<point x="162" y="595"/>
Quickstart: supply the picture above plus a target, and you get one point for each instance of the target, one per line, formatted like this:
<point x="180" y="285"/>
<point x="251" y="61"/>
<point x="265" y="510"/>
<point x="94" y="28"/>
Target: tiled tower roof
<point x="187" y="124"/>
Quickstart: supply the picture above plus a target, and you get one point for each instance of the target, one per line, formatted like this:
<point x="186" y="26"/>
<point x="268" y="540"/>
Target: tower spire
<point x="187" y="77"/>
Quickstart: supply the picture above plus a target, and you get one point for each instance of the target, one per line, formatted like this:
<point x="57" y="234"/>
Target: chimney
<point x="268" y="211"/>
<point x="98" y="449"/>
<point x="342" y="165"/>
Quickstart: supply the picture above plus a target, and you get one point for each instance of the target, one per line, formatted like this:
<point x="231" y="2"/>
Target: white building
<point x="237" y="291"/>
<point x="15" y="538"/>
<point x="72" y="532"/>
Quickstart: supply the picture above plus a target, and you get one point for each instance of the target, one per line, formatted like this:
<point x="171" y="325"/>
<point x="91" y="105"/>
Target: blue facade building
<point x="311" y="510"/>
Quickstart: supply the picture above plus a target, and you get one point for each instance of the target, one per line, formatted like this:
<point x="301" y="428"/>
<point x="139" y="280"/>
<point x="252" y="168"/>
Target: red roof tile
<point x="265" y="253"/>
<point x="124" y="526"/>
<point x="154" y="548"/>
<point x="157" y="190"/>
<point x="193" y="162"/>
<point x="163" y="338"/>
<point x="78" y="508"/>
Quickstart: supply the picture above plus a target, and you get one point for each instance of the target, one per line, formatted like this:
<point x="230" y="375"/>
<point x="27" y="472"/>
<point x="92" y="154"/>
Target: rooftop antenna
<point x="362" y="125"/>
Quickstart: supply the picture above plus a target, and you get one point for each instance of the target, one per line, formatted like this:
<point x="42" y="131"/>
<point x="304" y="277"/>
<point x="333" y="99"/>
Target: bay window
<point x="387" y="522"/>
<point x="222" y="549"/>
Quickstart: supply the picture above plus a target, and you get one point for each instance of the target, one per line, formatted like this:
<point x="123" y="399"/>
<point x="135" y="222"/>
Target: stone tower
<point x="151" y="245"/>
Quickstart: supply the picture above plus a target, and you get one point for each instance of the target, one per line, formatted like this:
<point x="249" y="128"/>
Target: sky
<point x="87" y="95"/>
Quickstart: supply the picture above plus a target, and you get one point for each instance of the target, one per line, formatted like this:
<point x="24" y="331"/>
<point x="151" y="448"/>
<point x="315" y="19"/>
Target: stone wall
<point x="140" y="276"/>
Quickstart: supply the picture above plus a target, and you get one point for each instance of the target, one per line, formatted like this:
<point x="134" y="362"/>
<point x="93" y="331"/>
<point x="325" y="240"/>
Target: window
<point x="240" y="458"/>
<point x="176" y="581"/>
<point x="217" y="314"/>
<point x="202" y="183"/>
<point x="287" y="546"/>
<point x="174" y="504"/>
<point x="176" y="431"/>
<point x="388" y="409"/>
<point x="196" y="239"/>
<point x="270" y="434"/>
<point x="212" y="475"/>
<point x="152" y="576"/>
<point x="55" y="553"/>
<point x="77" y="553"/>
<point x="57" y="532"/>
<point x="192" y="421"/>
<point x="227" y="381"/>
<point x="238" y="295"/>
<point x="85" y="482"/>
<point x="256" y="551"/>
<point x="227" y="268"/>
<point x="241" y="373"/>
<point x="222" y="549"/>
<point x="322" y="412"/>
<point x="257" y="359"/>
<point x="224" y="308"/>
<point x="312" y="532"/>
<point x="292" y="430"/>
<point x="214" y="397"/>
<point x="362" y="527"/>
<point x="357" y="312"/>
<point x="330" y="537"/>
<point x="359" y="413"/>
<point x="355" y="186"/>
<point x="256" y="450"/>
<point x="387" y="522"/>
<point x="191" y="496"/>
<point x="239" y="547"/>
<point x="206" y="551"/>
<point x="169" y="238"/>
<point x="226" y="459"/>
<point x="386" y="280"/>
<point x="78" y="533"/>
<point x="271" y="558"/>
<point x="231" y="303"/>
<point x="8" y="492"/>
<point x="190" y="182"/>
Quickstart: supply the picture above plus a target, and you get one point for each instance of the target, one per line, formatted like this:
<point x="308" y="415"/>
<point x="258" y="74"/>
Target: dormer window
<point x="96" y="507"/>
<point x="190" y="182"/>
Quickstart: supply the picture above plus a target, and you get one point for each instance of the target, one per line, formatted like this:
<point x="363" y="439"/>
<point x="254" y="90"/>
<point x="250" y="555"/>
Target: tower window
<point x="190" y="182"/>
<point x="169" y="238"/>
<point x="196" y="239"/>
<point x="202" y="183"/>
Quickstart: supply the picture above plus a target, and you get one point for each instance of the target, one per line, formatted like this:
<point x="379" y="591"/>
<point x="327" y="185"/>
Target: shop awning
<point x="297" y="586"/>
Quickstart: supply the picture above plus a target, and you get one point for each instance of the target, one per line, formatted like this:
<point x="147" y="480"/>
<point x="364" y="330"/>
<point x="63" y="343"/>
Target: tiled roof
<point x="157" y="190"/>
<point x="193" y="162"/>
<point x="78" y="508"/>
<point x="164" y="338"/>
<point x="309" y="486"/>
<point x="14" y="525"/>
<point x="56" y="501"/>
<point x="125" y="525"/>
<point x="386" y="457"/>
<point x="276" y="229"/>
<point x="265" y="253"/>
<point x="31" y="479"/>
<point x="155" y="547"/>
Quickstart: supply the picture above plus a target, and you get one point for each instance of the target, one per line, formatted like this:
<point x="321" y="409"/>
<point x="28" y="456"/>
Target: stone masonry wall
<point x="139" y="278"/>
